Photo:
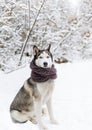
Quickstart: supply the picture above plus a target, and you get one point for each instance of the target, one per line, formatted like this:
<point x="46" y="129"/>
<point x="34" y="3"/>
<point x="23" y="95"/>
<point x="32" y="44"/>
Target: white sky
<point x="75" y="6"/>
<point x="74" y="3"/>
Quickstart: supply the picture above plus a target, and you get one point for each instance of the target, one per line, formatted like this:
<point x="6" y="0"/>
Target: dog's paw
<point x="44" y="112"/>
<point x="54" y="122"/>
<point x="33" y="120"/>
<point x="43" y="127"/>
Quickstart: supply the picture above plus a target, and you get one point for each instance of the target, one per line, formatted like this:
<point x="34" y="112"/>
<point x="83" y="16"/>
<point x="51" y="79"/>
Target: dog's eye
<point x="40" y="57"/>
<point x="48" y="57"/>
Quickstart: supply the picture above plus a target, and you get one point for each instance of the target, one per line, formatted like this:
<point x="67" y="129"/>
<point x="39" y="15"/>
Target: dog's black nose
<point x="45" y="64"/>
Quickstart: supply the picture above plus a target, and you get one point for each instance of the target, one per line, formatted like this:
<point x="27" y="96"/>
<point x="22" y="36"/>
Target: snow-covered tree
<point x="65" y="25"/>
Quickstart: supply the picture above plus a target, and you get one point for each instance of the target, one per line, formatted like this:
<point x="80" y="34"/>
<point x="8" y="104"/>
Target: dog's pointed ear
<point x="48" y="49"/>
<point x="35" y="50"/>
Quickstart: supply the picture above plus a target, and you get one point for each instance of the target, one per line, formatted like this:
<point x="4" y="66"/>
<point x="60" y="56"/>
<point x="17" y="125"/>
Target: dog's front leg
<point x="38" y="109"/>
<point x="50" y="111"/>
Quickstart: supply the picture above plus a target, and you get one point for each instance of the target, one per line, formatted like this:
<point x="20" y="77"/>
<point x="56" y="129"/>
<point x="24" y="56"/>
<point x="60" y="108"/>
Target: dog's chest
<point x="45" y="89"/>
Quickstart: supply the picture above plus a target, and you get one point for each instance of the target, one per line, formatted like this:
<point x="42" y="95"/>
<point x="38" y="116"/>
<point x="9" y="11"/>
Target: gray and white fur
<point x="27" y="104"/>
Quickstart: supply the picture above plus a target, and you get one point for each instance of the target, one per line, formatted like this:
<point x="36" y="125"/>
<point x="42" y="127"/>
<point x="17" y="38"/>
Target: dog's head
<point x="43" y="58"/>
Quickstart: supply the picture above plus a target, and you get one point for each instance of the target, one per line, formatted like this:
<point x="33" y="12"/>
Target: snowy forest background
<point x="62" y="23"/>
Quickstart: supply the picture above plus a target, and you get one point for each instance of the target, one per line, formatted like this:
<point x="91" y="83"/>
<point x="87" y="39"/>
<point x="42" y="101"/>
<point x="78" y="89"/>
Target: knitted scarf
<point x="40" y="74"/>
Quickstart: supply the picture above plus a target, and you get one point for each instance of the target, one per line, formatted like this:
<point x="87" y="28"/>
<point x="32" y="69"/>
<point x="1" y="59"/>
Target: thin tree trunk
<point x="30" y="31"/>
<point x="25" y="20"/>
<point x="29" y="13"/>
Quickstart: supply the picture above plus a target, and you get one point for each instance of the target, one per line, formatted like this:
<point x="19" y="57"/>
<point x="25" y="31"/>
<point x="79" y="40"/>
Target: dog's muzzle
<point x="45" y="64"/>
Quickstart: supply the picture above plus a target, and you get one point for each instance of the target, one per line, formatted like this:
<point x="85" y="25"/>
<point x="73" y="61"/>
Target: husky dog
<point x="36" y="90"/>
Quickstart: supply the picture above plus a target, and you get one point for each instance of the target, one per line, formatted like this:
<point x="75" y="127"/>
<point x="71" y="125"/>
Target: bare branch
<point x="30" y="31"/>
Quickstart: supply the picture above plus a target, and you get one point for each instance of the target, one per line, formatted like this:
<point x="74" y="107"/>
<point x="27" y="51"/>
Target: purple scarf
<point x="40" y="74"/>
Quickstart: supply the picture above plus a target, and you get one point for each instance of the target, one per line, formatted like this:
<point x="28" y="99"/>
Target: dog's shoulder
<point x="29" y="85"/>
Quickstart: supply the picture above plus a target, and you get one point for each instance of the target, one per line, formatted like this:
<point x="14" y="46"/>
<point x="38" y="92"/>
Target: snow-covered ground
<point x="72" y="99"/>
